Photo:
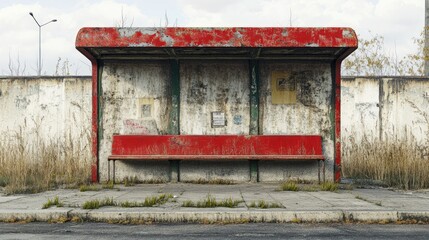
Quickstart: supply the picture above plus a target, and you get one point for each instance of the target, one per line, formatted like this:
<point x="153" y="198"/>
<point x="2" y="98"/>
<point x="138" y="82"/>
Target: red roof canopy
<point x="228" y="42"/>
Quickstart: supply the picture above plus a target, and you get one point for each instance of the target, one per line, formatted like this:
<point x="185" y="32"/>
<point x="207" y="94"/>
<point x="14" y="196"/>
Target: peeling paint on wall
<point x="22" y="102"/>
<point x="212" y="86"/>
<point x="309" y="115"/>
<point x="382" y="108"/>
<point x="125" y="88"/>
<point x="45" y="106"/>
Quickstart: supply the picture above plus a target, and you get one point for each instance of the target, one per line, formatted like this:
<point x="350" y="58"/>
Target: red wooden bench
<point x="216" y="147"/>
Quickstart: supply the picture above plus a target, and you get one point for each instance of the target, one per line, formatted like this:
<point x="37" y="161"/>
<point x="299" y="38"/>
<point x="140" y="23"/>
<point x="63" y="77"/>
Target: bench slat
<point x="217" y="145"/>
<point x="216" y="157"/>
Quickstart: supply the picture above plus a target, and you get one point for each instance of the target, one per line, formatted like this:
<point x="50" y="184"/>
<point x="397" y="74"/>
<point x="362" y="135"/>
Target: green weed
<point x="85" y="188"/>
<point x="95" y="204"/>
<point x="108" y="185"/>
<point x="214" y="182"/>
<point x="52" y="202"/>
<point x="289" y="186"/>
<point x="329" y="186"/>
<point x="211" y="202"/>
<point x="263" y="204"/>
<point x="130" y="181"/>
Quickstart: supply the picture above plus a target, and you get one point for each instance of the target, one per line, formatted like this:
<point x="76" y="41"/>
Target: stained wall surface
<point x="135" y="100"/>
<point x="385" y="108"/>
<point x="310" y="114"/>
<point x="48" y="108"/>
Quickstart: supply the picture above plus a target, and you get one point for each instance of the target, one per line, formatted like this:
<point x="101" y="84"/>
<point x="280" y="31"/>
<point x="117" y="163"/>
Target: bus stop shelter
<point x="216" y="81"/>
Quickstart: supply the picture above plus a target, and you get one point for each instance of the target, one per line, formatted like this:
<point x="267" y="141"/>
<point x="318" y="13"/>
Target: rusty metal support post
<point x="426" y="32"/>
<point x="114" y="172"/>
<point x="173" y="124"/>
<point x="108" y="171"/>
<point x="254" y="113"/>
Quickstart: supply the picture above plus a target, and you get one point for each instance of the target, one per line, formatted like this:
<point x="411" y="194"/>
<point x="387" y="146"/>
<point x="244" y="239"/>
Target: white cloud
<point x="20" y="33"/>
<point x="397" y="20"/>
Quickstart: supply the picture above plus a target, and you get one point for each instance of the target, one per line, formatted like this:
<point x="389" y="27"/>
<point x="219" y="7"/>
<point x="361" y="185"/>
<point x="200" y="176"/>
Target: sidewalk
<point x="357" y="205"/>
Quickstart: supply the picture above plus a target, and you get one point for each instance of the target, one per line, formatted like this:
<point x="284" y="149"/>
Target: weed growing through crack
<point x="309" y="188"/>
<point x="329" y="186"/>
<point x="360" y="198"/>
<point x="53" y="202"/>
<point x="108" y="185"/>
<point x="292" y="185"/>
<point x="211" y="202"/>
<point x="263" y="204"/>
<point x="153" y="181"/>
<point x="156" y="200"/>
<point x="148" y="202"/>
<point x="92" y="187"/>
<point x="289" y="186"/>
<point x="95" y="204"/>
<point x="214" y="182"/>
<point x="85" y="188"/>
<point x="130" y="181"/>
<point x="188" y="203"/>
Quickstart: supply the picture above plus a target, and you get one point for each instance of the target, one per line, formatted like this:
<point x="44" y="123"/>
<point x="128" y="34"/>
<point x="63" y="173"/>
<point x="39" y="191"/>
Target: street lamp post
<point x="39" y="70"/>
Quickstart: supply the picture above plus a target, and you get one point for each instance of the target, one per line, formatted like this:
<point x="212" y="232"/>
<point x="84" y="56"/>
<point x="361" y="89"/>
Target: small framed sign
<point x="218" y="119"/>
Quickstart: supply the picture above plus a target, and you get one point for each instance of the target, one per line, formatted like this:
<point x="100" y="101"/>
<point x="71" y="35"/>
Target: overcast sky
<point x="398" y="21"/>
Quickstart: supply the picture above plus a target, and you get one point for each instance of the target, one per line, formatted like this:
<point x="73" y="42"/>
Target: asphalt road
<point x="192" y="231"/>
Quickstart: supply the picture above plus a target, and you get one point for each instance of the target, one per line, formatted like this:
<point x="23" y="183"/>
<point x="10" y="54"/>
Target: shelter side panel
<point x="135" y="99"/>
<point x="296" y="99"/>
<point x="214" y="99"/>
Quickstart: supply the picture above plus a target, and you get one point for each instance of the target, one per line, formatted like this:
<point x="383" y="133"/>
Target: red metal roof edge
<point x="216" y="37"/>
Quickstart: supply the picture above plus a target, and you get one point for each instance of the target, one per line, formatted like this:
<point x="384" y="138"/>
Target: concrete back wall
<point x="384" y="107"/>
<point x="50" y="108"/>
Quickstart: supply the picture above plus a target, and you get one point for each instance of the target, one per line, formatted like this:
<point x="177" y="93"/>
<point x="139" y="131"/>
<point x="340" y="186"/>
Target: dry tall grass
<point x="398" y="164"/>
<point x="30" y="164"/>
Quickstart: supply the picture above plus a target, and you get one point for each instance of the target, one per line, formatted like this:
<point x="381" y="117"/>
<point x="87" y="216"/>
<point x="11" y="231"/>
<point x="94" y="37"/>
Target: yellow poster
<point x="283" y="88"/>
<point x="145" y="107"/>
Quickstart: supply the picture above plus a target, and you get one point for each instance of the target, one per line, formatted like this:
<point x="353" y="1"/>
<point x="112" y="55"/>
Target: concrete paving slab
<point x="4" y="199"/>
<point x="366" y="205"/>
<point x="299" y="201"/>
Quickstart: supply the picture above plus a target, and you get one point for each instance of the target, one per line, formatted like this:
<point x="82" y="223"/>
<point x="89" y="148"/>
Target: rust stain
<point x="216" y="37"/>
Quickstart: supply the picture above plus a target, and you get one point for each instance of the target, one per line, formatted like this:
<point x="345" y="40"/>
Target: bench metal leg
<point x="318" y="170"/>
<point x="108" y="171"/>
<point x="174" y="171"/>
<point x="254" y="170"/>
<point x="114" y="171"/>
<point x="323" y="169"/>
